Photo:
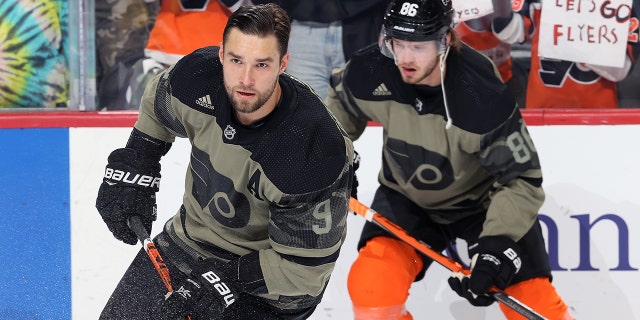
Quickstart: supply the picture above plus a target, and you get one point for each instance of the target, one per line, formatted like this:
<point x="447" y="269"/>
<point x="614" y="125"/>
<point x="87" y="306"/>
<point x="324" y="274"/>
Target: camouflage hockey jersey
<point x="485" y="161"/>
<point x="280" y="188"/>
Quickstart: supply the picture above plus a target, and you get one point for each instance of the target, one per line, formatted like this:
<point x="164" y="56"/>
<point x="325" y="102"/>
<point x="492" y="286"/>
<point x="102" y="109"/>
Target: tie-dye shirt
<point x="33" y="68"/>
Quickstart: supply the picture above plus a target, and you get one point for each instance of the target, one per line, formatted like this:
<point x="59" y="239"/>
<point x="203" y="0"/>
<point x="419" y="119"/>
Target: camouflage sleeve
<point x="509" y="154"/>
<point x="306" y="232"/>
<point x="157" y="116"/>
<point x="343" y="106"/>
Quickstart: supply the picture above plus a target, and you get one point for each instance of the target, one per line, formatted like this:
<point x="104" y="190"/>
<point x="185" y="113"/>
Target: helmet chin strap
<point x="443" y="58"/>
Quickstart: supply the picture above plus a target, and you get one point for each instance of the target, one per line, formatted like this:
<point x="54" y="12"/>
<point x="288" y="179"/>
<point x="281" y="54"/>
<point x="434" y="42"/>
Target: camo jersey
<point x="485" y="162"/>
<point x="280" y="188"/>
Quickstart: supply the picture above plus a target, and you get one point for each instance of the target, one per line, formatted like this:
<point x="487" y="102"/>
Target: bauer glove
<point x="213" y="287"/>
<point x="129" y="188"/>
<point x="495" y="260"/>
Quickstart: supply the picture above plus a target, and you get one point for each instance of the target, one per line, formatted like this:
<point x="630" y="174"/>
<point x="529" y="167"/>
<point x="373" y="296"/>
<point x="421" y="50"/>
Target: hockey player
<point x="457" y="162"/>
<point x="557" y="83"/>
<point x="265" y="203"/>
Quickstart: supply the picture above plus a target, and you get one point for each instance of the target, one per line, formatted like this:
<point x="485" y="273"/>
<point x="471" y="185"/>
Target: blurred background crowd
<point x="135" y="39"/>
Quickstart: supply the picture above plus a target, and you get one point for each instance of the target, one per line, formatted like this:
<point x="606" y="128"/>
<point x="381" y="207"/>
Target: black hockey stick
<point x="154" y="255"/>
<point x="376" y="218"/>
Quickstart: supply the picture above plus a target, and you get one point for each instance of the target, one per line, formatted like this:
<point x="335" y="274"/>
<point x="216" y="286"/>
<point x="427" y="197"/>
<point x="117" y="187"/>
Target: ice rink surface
<point x="99" y="260"/>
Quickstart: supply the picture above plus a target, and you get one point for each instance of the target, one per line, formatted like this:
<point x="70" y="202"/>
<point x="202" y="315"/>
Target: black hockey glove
<point x="496" y="259"/>
<point x="129" y="188"/>
<point x="212" y="287"/>
<point x="354" y="182"/>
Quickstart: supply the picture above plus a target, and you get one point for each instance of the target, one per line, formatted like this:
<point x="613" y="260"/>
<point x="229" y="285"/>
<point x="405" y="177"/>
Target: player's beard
<point x="421" y="74"/>
<point x="249" y="106"/>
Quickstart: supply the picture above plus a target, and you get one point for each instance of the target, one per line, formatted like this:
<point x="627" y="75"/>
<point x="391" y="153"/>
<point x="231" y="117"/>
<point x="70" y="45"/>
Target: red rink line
<point x="66" y="119"/>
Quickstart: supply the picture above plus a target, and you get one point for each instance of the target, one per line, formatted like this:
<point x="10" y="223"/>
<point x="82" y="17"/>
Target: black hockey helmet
<point x="418" y="20"/>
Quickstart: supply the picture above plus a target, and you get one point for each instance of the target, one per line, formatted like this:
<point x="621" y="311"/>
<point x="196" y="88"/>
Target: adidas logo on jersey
<point x="381" y="90"/>
<point x="205" y="102"/>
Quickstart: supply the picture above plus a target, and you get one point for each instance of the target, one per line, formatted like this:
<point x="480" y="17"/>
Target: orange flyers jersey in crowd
<point x="487" y="43"/>
<point x="566" y="84"/>
<point x="185" y="25"/>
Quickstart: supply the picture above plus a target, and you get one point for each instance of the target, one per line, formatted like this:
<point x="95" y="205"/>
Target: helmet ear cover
<point x="442" y="39"/>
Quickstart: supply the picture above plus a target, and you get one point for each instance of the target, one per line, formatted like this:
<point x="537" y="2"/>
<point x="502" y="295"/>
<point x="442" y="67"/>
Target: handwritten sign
<point x="588" y="31"/>
<point x="471" y="9"/>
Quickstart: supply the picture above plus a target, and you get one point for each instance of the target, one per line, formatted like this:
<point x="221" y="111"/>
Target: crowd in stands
<point x="137" y="38"/>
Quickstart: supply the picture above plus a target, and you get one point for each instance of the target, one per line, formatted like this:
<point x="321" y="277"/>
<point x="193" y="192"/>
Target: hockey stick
<point x="376" y="218"/>
<point x="154" y="255"/>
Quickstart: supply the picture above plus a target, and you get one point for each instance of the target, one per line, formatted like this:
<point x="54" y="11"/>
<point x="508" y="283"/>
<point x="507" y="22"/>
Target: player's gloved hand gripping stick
<point x="154" y="255"/>
<point x="499" y="295"/>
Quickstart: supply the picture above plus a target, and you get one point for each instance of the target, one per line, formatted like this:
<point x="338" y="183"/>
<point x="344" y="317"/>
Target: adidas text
<point x="205" y="102"/>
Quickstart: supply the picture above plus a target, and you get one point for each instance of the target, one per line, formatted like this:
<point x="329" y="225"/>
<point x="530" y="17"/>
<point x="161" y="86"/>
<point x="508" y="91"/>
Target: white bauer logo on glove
<point x="220" y="286"/>
<point x="513" y="256"/>
<point x="119" y="175"/>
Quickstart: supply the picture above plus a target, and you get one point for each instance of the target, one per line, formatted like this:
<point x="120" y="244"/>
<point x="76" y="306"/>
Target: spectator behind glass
<point x="33" y="72"/>
<point x="478" y="35"/>
<point x="598" y="87"/>
<point x="185" y="25"/>
<point x="325" y="33"/>
<point x="122" y="31"/>
<point x="136" y="39"/>
<point x="181" y="27"/>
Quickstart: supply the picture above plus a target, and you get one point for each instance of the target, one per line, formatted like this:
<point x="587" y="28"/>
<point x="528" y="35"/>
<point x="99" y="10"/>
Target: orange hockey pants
<point x="380" y="278"/>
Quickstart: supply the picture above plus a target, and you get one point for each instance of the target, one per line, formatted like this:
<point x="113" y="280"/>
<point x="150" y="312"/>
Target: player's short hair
<point x="261" y="20"/>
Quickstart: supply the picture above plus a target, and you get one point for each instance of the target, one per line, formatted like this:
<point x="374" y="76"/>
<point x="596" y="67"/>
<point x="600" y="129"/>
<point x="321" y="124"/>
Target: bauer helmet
<point x="417" y="20"/>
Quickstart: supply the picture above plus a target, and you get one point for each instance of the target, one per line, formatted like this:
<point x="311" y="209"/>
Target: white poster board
<point x="471" y="9"/>
<point x="593" y="32"/>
